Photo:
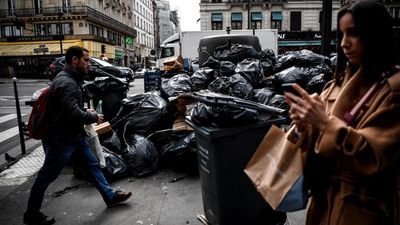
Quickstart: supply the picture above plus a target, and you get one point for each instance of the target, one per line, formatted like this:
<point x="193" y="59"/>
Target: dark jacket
<point x="66" y="111"/>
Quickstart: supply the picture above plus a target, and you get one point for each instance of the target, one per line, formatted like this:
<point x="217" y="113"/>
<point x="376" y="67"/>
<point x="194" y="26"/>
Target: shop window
<point x="216" y="21"/>
<point x="11" y="31"/>
<point x="295" y="21"/>
<point x="276" y="20"/>
<point x="256" y="20"/>
<point x="236" y="21"/>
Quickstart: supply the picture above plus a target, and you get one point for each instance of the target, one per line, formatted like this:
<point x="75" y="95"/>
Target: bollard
<point x="21" y="133"/>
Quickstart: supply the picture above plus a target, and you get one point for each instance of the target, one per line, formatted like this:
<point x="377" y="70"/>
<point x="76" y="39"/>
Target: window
<point x="256" y="20"/>
<point x="11" y="7"/>
<point x="167" y="52"/>
<point x="216" y="21"/>
<point x="49" y="29"/>
<point x="95" y="30"/>
<point x="38" y="6"/>
<point x="276" y="20"/>
<point x="114" y="37"/>
<point x="11" y="31"/>
<point x="295" y="21"/>
<point x="236" y="21"/>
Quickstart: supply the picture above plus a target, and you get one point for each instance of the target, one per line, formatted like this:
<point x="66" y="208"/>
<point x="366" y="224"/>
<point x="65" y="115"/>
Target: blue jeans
<point x="57" y="157"/>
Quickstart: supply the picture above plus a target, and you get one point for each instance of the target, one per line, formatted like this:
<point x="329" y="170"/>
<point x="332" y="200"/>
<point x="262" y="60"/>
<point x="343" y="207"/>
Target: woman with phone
<point x="355" y="124"/>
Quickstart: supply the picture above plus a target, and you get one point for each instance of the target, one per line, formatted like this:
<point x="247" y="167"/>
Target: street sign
<point x="40" y="50"/>
<point x="128" y="40"/>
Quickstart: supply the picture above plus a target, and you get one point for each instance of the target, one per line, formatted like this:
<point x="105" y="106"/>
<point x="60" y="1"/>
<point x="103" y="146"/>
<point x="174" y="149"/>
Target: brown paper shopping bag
<point x="276" y="170"/>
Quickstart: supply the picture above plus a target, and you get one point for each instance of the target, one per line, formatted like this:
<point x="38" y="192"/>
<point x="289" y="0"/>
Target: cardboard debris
<point x="103" y="128"/>
<point x="173" y="64"/>
<point x="180" y="124"/>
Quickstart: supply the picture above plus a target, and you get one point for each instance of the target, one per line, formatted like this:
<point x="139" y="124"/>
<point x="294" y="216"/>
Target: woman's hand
<point x="306" y="109"/>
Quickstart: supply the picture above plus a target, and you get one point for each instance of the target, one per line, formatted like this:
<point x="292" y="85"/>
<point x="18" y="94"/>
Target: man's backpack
<point x="38" y="121"/>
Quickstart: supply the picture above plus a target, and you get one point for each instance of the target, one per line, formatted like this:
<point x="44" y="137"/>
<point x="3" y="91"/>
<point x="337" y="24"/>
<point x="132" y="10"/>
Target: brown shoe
<point x="119" y="197"/>
<point x="37" y="219"/>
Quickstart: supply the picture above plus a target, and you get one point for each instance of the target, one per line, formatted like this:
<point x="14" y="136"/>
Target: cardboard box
<point x="103" y="128"/>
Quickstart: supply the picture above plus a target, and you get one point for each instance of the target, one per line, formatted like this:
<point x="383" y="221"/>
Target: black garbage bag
<point x="227" y="68"/>
<point x="240" y="87"/>
<point x="223" y="116"/>
<point x="251" y="70"/>
<point x="141" y="155"/>
<point x="113" y="143"/>
<point x="286" y="60"/>
<point x="278" y="101"/>
<point x="115" y="165"/>
<point x="142" y="114"/>
<point x="317" y="83"/>
<point x="308" y="58"/>
<point x="264" y="95"/>
<point x="111" y="91"/>
<point x="299" y="75"/>
<point x="176" y="85"/>
<point x="235" y="85"/>
<point x="234" y="53"/>
<point x="174" y="142"/>
<point x="220" y="85"/>
<point x="267" y="62"/>
<point x="212" y="63"/>
<point x="177" y="149"/>
<point x="202" y="78"/>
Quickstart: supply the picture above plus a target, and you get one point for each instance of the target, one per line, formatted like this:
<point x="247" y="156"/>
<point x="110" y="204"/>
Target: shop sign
<point x="128" y="40"/>
<point x="119" y="54"/>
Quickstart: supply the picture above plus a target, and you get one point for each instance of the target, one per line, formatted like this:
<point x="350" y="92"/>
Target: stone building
<point x="31" y="38"/>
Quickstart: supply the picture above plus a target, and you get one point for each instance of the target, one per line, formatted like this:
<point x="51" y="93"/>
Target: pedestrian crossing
<point x="28" y="165"/>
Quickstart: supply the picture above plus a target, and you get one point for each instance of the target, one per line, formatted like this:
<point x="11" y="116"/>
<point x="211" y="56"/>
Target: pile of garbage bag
<point x="236" y="86"/>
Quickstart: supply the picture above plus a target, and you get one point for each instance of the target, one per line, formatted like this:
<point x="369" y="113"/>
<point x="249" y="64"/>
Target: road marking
<point x="8" y="134"/>
<point x="20" y="172"/>
<point x="9" y="117"/>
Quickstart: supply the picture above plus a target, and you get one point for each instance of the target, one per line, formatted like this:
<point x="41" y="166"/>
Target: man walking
<point x="66" y="136"/>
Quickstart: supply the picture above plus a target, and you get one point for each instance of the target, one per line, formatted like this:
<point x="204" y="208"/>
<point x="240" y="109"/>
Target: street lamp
<point x="60" y="31"/>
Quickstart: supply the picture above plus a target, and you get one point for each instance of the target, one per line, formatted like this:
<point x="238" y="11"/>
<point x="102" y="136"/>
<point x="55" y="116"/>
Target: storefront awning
<point x="301" y="43"/>
<point x="256" y="16"/>
<point x="27" y="49"/>
<point x="236" y="17"/>
<point x="216" y="17"/>
<point x="277" y="16"/>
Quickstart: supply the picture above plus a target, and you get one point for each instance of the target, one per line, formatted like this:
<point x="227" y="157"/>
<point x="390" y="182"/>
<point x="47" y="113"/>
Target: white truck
<point x="186" y="43"/>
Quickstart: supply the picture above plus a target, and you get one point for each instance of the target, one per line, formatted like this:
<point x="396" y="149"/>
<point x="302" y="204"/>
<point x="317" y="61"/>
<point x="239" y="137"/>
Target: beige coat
<point x="361" y="191"/>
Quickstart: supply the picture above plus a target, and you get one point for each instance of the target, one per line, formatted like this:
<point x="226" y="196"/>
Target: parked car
<point x="140" y="73"/>
<point x="96" y="63"/>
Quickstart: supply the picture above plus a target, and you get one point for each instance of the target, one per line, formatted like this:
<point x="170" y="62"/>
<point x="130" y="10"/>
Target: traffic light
<point x="103" y="49"/>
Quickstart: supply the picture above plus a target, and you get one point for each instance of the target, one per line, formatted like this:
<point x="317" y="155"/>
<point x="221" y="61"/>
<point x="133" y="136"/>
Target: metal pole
<point x="21" y="133"/>
<point x="248" y="14"/>
<point x="326" y="26"/>
<point x="60" y="14"/>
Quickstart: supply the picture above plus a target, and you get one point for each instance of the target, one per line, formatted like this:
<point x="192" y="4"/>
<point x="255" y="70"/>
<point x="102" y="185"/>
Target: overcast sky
<point x="189" y="13"/>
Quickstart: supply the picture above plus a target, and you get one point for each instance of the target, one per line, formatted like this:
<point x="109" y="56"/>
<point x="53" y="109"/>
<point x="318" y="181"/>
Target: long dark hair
<point x="373" y="25"/>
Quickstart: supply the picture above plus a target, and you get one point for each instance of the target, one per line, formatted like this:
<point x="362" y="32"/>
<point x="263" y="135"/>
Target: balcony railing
<point x="72" y="10"/>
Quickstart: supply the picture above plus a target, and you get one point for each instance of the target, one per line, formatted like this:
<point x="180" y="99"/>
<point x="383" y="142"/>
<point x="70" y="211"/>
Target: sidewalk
<point x="171" y="196"/>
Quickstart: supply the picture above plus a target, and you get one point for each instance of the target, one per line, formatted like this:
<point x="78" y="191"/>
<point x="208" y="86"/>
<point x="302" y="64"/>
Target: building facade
<point x="31" y="36"/>
<point x="168" y="20"/>
<point x="298" y="22"/>
<point x="144" y="25"/>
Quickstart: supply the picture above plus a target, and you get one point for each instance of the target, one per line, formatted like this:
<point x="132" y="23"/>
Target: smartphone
<point x="288" y="87"/>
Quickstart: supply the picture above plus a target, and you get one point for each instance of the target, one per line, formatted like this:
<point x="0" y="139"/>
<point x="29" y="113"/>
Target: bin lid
<point x="216" y="132"/>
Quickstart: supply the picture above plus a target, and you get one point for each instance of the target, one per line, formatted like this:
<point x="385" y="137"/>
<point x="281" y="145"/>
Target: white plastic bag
<point x="95" y="143"/>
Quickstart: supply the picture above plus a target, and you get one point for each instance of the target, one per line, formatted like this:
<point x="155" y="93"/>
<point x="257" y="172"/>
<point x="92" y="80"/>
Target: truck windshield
<point x="167" y="52"/>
